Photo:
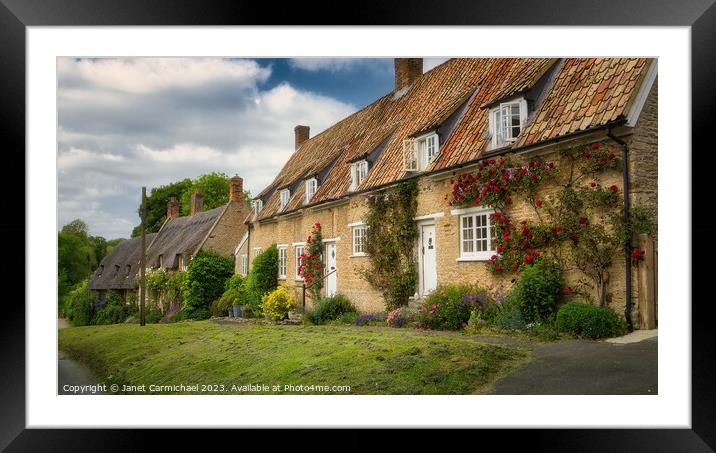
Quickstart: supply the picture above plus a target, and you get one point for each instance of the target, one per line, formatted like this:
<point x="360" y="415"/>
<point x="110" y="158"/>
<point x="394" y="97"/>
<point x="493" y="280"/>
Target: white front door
<point x="428" y="263"/>
<point x="331" y="280"/>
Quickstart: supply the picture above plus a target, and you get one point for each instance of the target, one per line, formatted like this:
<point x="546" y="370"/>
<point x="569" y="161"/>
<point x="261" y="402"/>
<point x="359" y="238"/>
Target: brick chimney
<point x="172" y="208"/>
<point x="406" y="71"/>
<point x="302" y="134"/>
<point x="236" y="189"/>
<point x="197" y="202"/>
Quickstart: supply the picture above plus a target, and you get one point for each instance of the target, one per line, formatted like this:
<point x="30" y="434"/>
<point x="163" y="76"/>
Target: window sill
<point x="282" y="277"/>
<point x="475" y="258"/>
<point x="358" y="255"/>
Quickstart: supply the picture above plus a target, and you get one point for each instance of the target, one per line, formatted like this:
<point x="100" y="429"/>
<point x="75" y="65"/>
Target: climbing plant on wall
<point x="580" y="225"/>
<point x="310" y="266"/>
<point x="391" y="243"/>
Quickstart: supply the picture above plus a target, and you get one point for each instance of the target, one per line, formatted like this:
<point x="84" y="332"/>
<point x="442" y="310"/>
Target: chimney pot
<point x="302" y="134"/>
<point x="197" y="202"/>
<point x="406" y="71"/>
<point x="236" y="189"/>
<point x="172" y="208"/>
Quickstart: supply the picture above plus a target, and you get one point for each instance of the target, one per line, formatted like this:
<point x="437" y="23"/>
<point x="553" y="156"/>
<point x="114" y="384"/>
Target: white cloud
<point x="144" y="75"/>
<point x="148" y="124"/>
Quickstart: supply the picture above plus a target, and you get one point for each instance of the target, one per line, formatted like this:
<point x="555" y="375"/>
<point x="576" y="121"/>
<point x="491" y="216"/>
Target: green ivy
<point x="392" y="233"/>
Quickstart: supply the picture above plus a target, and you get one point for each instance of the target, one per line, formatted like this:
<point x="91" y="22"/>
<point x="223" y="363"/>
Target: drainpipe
<point x="625" y="182"/>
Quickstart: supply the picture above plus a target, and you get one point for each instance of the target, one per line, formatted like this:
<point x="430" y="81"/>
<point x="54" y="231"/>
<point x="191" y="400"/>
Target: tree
<point x="77" y="227"/>
<point x="214" y="186"/>
<point x="157" y="204"/>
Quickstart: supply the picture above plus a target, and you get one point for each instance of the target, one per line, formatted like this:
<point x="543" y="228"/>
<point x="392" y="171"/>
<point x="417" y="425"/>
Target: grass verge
<point x="371" y="360"/>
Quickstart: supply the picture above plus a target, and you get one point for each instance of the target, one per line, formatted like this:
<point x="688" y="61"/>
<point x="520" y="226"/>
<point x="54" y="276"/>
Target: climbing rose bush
<point x="310" y="261"/>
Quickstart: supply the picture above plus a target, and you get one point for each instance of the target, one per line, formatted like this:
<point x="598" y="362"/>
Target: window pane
<point x="467" y="235"/>
<point x="481" y="233"/>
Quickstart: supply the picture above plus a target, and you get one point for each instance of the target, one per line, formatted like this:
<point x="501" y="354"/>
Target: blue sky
<point x="133" y="122"/>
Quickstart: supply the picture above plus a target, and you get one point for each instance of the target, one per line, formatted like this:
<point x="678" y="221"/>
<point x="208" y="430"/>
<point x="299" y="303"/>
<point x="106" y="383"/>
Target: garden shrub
<point x="79" y="304"/>
<point x="589" y="321"/>
<point x="234" y="294"/>
<point x="536" y="291"/>
<point x="263" y="277"/>
<point x="153" y="316"/>
<point x="370" y="319"/>
<point x="449" y="306"/>
<point x="397" y="318"/>
<point x="276" y="304"/>
<point x="113" y="312"/>
<point x="329" y="309"/>
<point x="509" y="316"/>
<point x="204" y="283"/>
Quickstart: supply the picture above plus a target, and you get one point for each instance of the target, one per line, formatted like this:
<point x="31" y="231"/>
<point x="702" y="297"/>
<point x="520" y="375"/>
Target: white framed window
<point x="420" y="152"/>
<point x="258" y="205"/>
<point x="257" y="251"/>
<point x="299" y="252"/>
<point x="311" y="187"/>
<point x="161" y="260"/>
<point x="359" y="170"/>
<point x="476" y="235"/>
<point x="360" y="234"/>
<point x="244" y="265"/>
<point x="181" y="265"/>
<point x="285" y="196"/>
<point x="507" y="121"/>
<point x="282" y="262"/>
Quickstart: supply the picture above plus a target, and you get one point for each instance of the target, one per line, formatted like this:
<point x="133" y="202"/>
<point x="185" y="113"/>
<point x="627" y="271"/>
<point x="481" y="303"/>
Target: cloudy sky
<point x="128" y="123"/>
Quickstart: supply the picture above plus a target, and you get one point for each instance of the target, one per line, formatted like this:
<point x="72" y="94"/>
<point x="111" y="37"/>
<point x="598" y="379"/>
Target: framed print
<point x="375" y="226"/>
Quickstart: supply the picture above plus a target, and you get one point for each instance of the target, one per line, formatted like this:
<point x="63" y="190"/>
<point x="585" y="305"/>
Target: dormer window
<point x="285" y="195"/>
<point x="258" y="205"/>
<point x="359" y="170"/>
<point x="101" y="269"/>
<point x="311" y="187"/>
<point x="161" y="260"/>
<point x="129" y="268"/>
<point x="420" y="151"/>
<point x="507" y="121"/>
<point x="116" y="270"/>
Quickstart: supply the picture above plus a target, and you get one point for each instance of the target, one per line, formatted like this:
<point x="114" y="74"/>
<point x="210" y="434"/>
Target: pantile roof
<point x="580" y="94"/>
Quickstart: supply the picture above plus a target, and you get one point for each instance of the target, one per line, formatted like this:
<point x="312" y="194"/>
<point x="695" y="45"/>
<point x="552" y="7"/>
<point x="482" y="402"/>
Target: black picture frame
<point x="16" y="15"/>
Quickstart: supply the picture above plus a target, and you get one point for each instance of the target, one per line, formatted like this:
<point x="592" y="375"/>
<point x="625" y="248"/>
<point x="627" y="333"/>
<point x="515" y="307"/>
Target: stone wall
<point x="433" y="208"/>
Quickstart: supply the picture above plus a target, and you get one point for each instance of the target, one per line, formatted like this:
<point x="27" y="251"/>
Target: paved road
<point x="70" y="372"/>
<point x="579" y="367"/>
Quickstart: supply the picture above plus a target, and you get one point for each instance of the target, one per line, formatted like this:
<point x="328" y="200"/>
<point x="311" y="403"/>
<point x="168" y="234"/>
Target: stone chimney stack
<point x="236" y="189"/>
<point x="406" y="71"/>
<point x="172" y="208"/>
<point x="302" y="134"/>
<point x="197" y="202"/>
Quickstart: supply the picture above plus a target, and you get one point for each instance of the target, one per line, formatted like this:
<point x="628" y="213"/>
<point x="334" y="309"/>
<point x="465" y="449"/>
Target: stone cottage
<point x="439" y="123"/>
<point x="216" y="230"/>
<point x="178" y="240"/>
<point x="119" y="268"/>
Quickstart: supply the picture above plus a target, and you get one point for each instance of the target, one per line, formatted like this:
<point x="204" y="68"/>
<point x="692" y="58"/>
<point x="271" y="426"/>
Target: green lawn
<point x="371" y="360"/>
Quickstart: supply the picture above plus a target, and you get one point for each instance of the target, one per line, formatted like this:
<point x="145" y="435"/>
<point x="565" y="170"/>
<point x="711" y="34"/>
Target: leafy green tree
<point x="76" y="227"/>
<point x="76" y="260"/>
<point x="157" y="204"/>
<point x="215" y="187"/>
<point x="205" y="282"/>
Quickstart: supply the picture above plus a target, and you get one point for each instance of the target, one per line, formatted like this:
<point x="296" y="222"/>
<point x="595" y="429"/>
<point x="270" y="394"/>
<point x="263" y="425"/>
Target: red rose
<point x="502" y="161"/>
<point x="595" y="146"/>
<point x="614" y="188"/>
<point x="550" y="165"/>
<point x="538" y="203"/>
<point x="593" y="183"/>
<point x="582" y="220"/>
<point x="498" y="267"/>
<point x="611" y="156"/>
<point x="568" y="289"/>
<point x="538" y="163"/>
<point x="508" y="200"/>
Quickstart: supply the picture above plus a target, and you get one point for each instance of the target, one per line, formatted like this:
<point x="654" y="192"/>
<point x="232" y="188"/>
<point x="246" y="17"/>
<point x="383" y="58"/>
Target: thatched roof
<point x="118" y="270"/>
<point x="181" y="236"/>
